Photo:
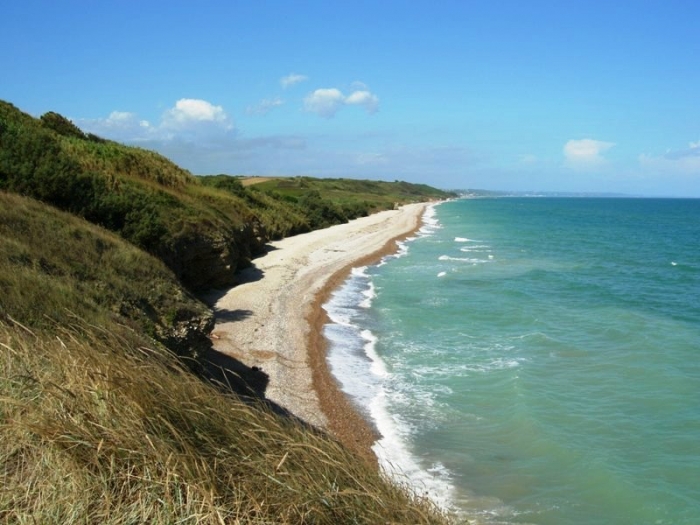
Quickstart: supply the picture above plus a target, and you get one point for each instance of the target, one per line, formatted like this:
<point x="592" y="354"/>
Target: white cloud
<point x="326" y="102"/>
<point x="291" y="79"/>
<point x="119" y="125"/>
<point x="586" y="153"/>
<point x="358" y="86"/>
<point x="189" y="119"/>
<point x="365" y="99"/>
<point x="264" y="106"/>
<point x="189" y="111"/>
<point x="126" y="120"/>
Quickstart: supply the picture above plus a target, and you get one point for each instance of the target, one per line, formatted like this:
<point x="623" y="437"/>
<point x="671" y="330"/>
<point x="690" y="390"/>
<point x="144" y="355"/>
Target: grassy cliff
<point x="204" y="229"/>
<point x="99" y="422"/>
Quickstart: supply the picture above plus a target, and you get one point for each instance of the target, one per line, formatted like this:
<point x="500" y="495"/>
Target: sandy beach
<point x="273" y="320"/>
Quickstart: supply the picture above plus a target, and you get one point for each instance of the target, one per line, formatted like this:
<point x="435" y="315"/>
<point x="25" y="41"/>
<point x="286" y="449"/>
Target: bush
<point x="61" y="125"/>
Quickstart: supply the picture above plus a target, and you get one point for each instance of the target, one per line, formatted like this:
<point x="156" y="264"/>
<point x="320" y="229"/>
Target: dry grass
<point x="249" y="181"/>
<point x="97" y="428"/>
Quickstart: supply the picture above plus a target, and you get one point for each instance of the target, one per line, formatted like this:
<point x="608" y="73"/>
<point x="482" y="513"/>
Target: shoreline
<point x="344" y="420"/>
<point x="273" y="320"/>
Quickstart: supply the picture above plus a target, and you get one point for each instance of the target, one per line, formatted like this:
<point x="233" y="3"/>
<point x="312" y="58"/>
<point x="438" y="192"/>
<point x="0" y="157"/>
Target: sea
<point x="534" y="360"/>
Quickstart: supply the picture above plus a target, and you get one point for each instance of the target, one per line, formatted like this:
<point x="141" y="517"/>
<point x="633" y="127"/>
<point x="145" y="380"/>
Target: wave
<point x="369" y="293"/>
<point x="462" y="259"/>
<point x="399" y="463"/>
<point x="351" y="349"/>
<point x="430" y="220"/>
<point x="365" y="377"/>
<point x="465" y="239"/>
<point x="476" y="248"/>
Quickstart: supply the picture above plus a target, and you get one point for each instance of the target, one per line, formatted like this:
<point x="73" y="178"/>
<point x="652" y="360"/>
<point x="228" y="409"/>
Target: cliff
<point x="203" y="228"/>
<point x="102" y="248"/>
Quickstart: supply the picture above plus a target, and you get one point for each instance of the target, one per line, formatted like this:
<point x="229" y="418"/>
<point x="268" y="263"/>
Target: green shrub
<point x="61" y="125"/>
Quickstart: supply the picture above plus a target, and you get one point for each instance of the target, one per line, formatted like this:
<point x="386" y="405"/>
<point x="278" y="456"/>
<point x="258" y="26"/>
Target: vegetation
<point x="329" y="201"/>
<point x="202" y="228"/>
<point x="55" y="268"/>
<point x="91" y="404"/>
<point x="99" y="423"/>
<point x="97" y="428"/>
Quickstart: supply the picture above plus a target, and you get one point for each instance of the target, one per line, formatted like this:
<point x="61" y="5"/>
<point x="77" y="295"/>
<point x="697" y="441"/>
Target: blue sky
<point x="501" y="95"/>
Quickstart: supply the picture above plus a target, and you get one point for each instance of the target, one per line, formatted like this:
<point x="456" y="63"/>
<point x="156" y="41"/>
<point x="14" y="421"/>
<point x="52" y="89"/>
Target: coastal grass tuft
<point x="96" y="427"/>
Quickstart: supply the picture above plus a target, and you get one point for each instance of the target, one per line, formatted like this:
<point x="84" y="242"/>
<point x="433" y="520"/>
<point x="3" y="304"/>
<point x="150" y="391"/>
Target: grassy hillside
<point x="351" y="194"/>
<point x="330" y="201"/>
<point x="56" y="268"/>
<point x="137" y="193"/>
<point x="204" y="229"/>
<point x="98" y="423"/>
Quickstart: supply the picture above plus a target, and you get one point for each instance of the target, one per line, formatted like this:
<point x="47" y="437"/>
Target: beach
<point x="273" y="320"/>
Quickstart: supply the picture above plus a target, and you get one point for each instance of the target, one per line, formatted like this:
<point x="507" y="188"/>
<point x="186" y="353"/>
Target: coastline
<point x="274" y="318"/>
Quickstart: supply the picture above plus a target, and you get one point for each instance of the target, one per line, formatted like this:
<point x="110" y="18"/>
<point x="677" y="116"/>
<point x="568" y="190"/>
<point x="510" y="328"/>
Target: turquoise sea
<point x="535" y="360"/>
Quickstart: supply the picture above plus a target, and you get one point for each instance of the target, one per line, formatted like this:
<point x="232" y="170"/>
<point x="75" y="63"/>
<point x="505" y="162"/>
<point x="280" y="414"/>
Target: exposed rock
<point x="188" y="334"/>
<point x="210" y="259"/>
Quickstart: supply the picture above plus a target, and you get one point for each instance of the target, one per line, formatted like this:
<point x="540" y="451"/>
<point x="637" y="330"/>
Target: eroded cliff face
<point x="203" y="261"/>
<point x="210" y="259"/>
<point x="188" y="334"/>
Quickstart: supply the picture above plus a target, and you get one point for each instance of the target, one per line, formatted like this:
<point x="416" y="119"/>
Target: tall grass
<point x="95" y="427"/>
<point x="52" y="262"/>
<point x="101" y="424"/>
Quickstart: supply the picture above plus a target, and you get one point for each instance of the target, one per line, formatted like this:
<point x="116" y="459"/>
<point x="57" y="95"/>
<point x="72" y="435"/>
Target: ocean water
<point x="535" y="360"/>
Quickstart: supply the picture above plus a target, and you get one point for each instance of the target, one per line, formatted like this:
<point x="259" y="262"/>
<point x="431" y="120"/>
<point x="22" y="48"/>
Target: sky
<point x="562" y="96"/>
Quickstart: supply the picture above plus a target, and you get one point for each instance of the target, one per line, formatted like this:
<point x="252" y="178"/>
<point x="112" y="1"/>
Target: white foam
<point x="430" y="221"/>
<point x="397" y="461"/>
<point x="461" y="259"/>
<point x="430" y="225"/>
<point x="442" y="274"/>
<point x="357" y="290"/>
<point x="465" y="239"/>
<point x="364" y="375"/>
<point x="354" y="362"/>
<point x="378" y="367"/>
<point x="369" y="295"/>
<point x="455" y="370"/>
<point x="475" y="248"/>
<point x="360" y="271"/>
